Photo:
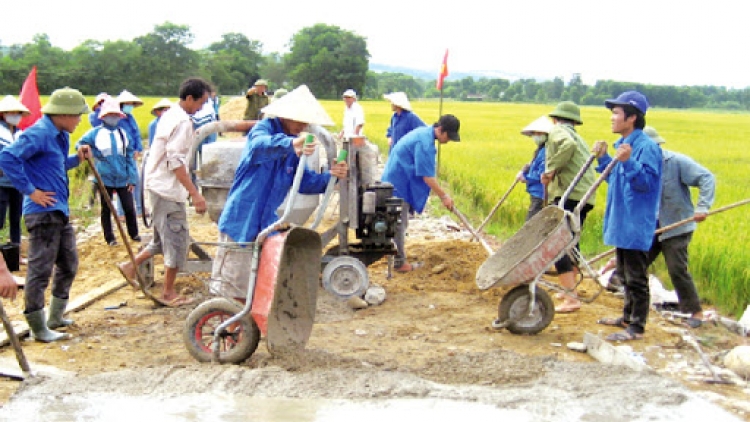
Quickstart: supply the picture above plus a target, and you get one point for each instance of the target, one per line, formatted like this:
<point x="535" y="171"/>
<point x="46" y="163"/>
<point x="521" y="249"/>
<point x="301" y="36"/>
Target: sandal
<point x="625" y="335"/>
<point x="692" y="322"/>
<point x="409" y="267"/>
<point x="567" y="308"/>
<point x="613" y="322"/>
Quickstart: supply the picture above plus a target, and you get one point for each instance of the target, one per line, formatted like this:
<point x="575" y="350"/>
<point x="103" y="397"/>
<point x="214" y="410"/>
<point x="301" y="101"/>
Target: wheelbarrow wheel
<point x="513" y="310"/>
<point x="237" y="343"/>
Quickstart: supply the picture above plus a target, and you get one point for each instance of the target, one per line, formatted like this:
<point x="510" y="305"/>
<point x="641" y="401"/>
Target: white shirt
<point x="172" y="141"/>
<point x="353" y="117"/>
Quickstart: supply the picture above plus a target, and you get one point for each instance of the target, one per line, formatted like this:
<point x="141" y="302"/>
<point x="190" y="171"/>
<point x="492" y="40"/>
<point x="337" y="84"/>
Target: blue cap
<point x="633" y="98"/>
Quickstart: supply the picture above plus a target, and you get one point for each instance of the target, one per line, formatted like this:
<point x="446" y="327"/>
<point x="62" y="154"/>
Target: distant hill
<point x="432" y="74"/>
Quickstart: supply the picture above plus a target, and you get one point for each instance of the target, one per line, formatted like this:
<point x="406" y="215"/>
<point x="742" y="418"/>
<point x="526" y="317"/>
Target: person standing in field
<point x="403" y="119"/>
<point x="531" y="173"/>
<point x="113" y="152"/>
<point x="679" y="174"/>
<point x="257" y="98"/>
<point x="630" y="217"/>
<point x="11" y="200"/>
<point x="565" y="155"/>
<point x="169" y="185"/>
<point x="354" y="116"/>
<point x="157" y="110"/>
<point x="37" y="165"/>
<point x="412" y="170"/>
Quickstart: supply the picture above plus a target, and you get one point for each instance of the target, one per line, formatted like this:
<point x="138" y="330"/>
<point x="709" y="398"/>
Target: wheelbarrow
<point x="522" y="261"/>
<point x="280" y="299"/>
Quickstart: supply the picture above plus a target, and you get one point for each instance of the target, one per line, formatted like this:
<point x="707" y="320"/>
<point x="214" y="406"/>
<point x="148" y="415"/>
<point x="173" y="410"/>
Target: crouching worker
<point x="264" y="175"/>
<point x="37" y="165"/>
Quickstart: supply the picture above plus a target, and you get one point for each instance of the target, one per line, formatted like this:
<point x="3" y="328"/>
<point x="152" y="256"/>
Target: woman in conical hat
<point x="11" y="113"/>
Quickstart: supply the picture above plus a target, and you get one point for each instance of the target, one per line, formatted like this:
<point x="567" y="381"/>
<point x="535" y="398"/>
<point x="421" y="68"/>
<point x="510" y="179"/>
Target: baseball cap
<point x="450" y="124"/>
<point x="633" y="98"/>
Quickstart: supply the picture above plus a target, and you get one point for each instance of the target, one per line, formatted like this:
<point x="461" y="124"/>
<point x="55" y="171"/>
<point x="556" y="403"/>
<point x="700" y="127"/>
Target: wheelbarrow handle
<point x="576" y="179"/>
<point x="592" y="189"/>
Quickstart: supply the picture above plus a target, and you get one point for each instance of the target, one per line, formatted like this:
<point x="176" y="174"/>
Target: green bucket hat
<point x="567" y="110"/>
<point x="66" y="101"/>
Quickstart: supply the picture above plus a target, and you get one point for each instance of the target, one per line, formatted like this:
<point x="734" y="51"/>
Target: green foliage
<point x="327" y="59"/>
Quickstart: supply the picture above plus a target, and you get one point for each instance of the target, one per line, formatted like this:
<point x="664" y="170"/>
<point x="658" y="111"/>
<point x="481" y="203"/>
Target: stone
<point x="357" y="302"/>
<point x="738" y="361"/>
<point x="375" y="295"/>
<point x="576" y="346"/>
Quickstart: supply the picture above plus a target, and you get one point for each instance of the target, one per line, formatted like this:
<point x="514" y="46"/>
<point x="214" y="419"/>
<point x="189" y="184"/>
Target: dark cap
<point x="449" y="123"/>
<point x="632" y="98"/>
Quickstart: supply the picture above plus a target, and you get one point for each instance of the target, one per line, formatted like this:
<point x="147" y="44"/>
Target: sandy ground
<point x="430" y="338"/>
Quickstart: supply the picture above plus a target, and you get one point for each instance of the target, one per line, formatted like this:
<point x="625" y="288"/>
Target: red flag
<point x="443" y="72"/>
<point x="30" y="98"/>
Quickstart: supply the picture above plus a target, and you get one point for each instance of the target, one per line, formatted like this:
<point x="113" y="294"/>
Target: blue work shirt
<point x="533" y="176"/>
<point x="152" y="130"/>
<point x="401" y="124"/>
<point x="113" y="152"/>
<point x="40" y="160"/>
<point x="412" y="159"/>
<point x="679" y="173"/>
<point x="94" y="118"/>
<point x="633" y="194"/>
<point x="264" y="175"/>
<point x="130" y="126"/>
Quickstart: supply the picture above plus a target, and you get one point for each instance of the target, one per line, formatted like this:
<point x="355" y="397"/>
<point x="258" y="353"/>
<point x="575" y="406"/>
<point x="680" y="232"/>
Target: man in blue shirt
<point x="631" y="208"/>
<point x="411" y="169"/>
<point x="37" y="165"/>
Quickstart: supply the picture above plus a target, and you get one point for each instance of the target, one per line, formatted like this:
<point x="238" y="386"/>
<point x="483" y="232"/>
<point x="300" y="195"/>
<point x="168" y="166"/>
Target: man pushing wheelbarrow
<point x="261" y="269"/>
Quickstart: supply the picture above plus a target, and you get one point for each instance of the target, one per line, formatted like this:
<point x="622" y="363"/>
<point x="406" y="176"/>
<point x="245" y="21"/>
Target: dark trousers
<point x="11" y="200"/>
<point x="632" y="266"/>
<point x="675" y="251"/>
<point x="565" y="264"/>
<point x="52" y="246"/>
<point x="535" y="206"/>
<point x="131" y="220"/>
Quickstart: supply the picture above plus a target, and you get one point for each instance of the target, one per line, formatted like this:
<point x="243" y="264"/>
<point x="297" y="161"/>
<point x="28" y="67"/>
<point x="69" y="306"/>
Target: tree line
<point x="325" y="57"/>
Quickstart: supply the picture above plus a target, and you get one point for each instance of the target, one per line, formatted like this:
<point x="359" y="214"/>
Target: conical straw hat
<point x="299" y="105"/>
<point x="9" y="103"/>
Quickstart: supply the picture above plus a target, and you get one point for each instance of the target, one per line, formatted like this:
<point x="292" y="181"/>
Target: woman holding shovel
<point x="566" y="154"/>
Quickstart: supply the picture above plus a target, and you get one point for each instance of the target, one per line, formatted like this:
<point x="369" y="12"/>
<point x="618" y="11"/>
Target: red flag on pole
<point x="30" y="98"/>
<point x="443" y="72"/>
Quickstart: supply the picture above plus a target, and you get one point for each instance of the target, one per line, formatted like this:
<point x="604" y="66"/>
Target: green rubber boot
<point x="56" y="310"/>
<point x="39" y="330"/>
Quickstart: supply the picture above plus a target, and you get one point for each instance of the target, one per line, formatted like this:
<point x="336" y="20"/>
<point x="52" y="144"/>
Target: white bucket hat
<point x="127" y="97"/>
<point x="542" y="124"/>
<point x="398" y="99"/>
<point x="349" y="93"/>
<point x="653" y="134"/>
<point x="110" y="106"/>
<point x="299" y="105"/>
<point x="10" y="104"/>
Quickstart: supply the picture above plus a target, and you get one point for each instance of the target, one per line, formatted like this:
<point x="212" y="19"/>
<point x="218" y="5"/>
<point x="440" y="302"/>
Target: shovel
<point x="22" y="362"/>
<point x="123" y="235"/>
<point x="471" y="229"/>
<point x="495" y="208"/>
<point x="672" y="226"/>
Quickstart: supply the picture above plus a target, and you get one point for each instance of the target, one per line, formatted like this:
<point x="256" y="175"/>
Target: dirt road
<point x="430" y="338"/>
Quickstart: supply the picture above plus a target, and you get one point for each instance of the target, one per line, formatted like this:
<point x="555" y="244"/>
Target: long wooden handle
<point x="494" y="210"/>
<point x="471" y="229"/>
<point x="661" y="230"/>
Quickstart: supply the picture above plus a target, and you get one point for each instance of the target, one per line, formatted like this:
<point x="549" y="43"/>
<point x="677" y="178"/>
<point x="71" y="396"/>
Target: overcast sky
<point x="651" y="41"/>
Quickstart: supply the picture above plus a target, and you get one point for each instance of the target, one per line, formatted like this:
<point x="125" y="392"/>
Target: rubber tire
<point x="517" y="300"/>
<point x="214" y="312"/>
<point x="146" y="212"/>
<point x="346" y="266"/>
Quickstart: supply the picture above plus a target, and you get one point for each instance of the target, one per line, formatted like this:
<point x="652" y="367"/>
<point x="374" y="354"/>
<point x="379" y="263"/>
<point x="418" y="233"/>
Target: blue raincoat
<point x="264" y="175"/>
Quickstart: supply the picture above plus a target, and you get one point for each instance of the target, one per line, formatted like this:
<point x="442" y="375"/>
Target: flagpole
<point x="439" y="85"/>
<point x="440" y="113"/>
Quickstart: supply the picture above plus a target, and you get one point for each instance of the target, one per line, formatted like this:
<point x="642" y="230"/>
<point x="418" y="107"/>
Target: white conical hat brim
<point x="163" y="103"/>
<point x="128" y="97"/>
<point x="9" y="103"/>
<point x="299" y="105"/>
<point x="542" y="124"/>
<point x="399" y="99"/>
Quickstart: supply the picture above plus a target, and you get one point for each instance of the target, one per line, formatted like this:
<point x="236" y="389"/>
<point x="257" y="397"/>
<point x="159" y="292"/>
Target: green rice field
<point x="482" y="167"/>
